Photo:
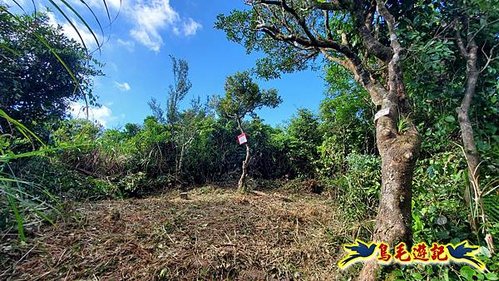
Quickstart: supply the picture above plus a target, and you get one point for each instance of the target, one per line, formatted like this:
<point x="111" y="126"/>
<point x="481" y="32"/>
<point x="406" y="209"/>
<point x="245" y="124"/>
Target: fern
<point x="491" y="207"/>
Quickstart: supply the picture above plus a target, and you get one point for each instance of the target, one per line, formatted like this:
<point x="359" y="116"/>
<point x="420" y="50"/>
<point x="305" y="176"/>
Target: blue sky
<point x="136" y="53"/>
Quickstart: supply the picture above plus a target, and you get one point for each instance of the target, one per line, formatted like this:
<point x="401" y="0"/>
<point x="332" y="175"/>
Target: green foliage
<point x="21" y="201"/>
<point x="36" y="88"/>
<point x="176" y="93"/>
<point x="115" y="158"/>
<point x="451" y="272"/>
<point x="437" y="273"/>
<point x="436" y="79"/>
<point x="357" y="189"/>
<point x="302" y="139"/>
<point x="439" y="215"/>
<point x="131" y="184"/>
<point x="346" y="124"/>
<point x="438" y="204"/>
<point x="195" y="145"/>
<point x="178" y="90"/>
<point x="470" y="274"/>
<point x="42" y="72"/>
<point x="76" y="131"/>
<point x="240" y="27"/>
<point x="491" y="207"/>
<point x="61" y="180"/>
<point x="435" y="73"/>
<point x="243" y="96"/>
<point x="266" y="155"/>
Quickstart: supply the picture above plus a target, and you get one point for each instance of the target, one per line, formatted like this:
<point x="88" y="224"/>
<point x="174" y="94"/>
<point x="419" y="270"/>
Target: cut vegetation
<point x="216" y="234"/>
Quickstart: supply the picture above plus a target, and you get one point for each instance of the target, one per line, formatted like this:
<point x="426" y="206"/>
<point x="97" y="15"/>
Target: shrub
<point x="358" y="188"/>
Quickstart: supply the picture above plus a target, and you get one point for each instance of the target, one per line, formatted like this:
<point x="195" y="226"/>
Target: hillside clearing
<point x="216" y="234"/>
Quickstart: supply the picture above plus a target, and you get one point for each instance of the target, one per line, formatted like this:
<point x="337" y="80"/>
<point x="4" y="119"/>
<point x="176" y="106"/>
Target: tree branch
<point x="333" y="5"/>
<point x="489" y="57"/>
<point x="327" y="27"/>
<point x="304" y="39"/>
<point x="379" y="50"/>
<point x="460" y="44"/>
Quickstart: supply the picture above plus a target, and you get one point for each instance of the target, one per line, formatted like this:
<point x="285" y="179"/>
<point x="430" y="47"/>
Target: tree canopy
<point x="243" y="96"/>
<point x="37" y="86"/>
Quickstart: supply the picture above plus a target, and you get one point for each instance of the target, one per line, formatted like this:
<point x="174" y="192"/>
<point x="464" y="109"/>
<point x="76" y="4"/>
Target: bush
<point x="358" y="188"/>
<point x="133" y="184"/>
<point x="439" y="212"/>
<point x="60" y="180"/>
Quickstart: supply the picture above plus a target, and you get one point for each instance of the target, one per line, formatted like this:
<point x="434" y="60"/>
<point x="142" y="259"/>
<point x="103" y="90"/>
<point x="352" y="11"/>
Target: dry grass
<point x="217" y="234"/>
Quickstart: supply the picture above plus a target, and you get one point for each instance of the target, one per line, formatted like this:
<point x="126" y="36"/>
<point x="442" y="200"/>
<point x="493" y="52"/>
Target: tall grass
<point x="16" y="195"/>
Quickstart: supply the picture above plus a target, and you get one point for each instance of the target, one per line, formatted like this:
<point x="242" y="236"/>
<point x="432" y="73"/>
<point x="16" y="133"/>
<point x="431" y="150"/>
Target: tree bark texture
<point x="469" y="53"/>
<point x="398" y="151"/>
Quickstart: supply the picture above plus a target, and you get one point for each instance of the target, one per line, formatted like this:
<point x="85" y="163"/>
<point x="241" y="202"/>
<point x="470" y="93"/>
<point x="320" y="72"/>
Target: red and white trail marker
<point x="242" y="139"/>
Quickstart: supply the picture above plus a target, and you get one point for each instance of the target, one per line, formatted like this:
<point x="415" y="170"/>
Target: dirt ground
<point x="217" y="234"/>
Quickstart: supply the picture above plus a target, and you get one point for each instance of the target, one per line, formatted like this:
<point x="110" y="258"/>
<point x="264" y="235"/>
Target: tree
<point x="190" y="125"/>
<point x="242" y="97"/>
<point x="304" y="138"/>
<point x="454" y="43"/>
<point x="176" y="93"/>
<point x="35" y="87"/>
<point x="362" y="36"/>
<point x="184" y="125"/>
<point x="475" y="28"/>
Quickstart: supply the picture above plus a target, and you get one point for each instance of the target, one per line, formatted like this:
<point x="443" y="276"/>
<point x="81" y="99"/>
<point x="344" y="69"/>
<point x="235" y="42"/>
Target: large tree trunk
<point x="393" y="223"/>
<point x="398" y="151"/>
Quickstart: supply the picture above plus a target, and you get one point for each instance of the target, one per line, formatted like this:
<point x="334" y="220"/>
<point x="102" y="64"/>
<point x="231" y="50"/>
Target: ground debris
<point x="217" y="234"/>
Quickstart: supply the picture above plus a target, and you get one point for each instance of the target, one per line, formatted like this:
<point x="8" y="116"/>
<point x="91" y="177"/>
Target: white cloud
<point x="190" y="27"/>
<point x="149" y="19"/>
<point x="102" y="115"/>
<point x="125" y="87"/>
<point x="129" y="45"/>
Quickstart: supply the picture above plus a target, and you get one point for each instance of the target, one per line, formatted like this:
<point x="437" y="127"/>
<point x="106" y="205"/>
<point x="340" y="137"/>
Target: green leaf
<point x="417" y="276"/>
<point x="491" y="276"/>
<point x="467" y="272"/>
<point x="450" y="119"/>
<point x="18" y="216"/>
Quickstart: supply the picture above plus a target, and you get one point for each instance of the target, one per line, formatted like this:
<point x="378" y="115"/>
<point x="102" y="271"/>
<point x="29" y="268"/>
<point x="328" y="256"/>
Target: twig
<point x="27" y="253"/>
<point x="7" y="232"/>
<point x="60" y="257"/>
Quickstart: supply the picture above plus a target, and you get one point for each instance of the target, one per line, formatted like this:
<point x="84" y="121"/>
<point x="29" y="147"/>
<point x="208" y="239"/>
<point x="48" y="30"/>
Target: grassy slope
<point x="216" y="234"/>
